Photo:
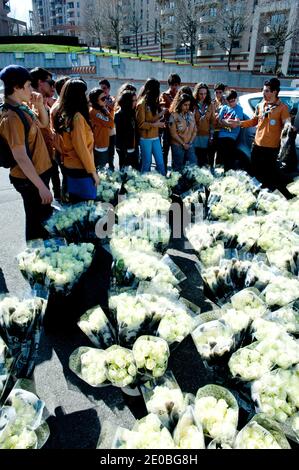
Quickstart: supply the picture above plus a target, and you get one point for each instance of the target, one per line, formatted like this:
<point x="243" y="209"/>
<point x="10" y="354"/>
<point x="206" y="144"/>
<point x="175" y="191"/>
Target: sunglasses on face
<point x="232" y="100"/>
<point x="50" y="81"/>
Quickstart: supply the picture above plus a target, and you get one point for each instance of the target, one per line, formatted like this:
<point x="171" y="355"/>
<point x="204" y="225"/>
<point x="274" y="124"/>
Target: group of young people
<point x="77" y="133"/>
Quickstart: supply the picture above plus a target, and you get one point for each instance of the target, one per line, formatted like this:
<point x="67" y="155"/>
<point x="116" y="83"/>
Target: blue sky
<point x="20" y="8"/>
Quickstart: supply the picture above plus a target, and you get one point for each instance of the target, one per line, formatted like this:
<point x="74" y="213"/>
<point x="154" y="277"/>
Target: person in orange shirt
<point x="101" y="122"/>
<point x="42" y="82"/>
<point x="269" y="117"/>
<point x="166" y="99"/>
<point x="32" y="170"/>
<point x="72" y="123"/>
<point x="110" y="102"/>
<point x="205" y="120"/>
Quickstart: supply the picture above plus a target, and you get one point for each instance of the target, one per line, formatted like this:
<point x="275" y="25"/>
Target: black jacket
<point x="125" y="126"/>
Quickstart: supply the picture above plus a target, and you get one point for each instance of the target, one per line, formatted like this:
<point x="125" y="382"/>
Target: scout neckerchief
<point x="202" y="109"/>
<point x="23" y="107"/>
<point x="268" y="108"/>
<point x="187" y="117"/>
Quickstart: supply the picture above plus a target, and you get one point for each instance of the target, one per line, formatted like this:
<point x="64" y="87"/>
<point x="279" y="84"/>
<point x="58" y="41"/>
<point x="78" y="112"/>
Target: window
<point x="279" y="18"/>
<point x="147" y="25"/>
<point x="70" y="5"/>
<point x="78" y="4"/>
<point x="210" y="46"/>
<point x="236" y="44"/>
<point x="78" y="14"/>
<point x="171" y="19"/>
<point x="171" y="5"/>
<point x="213" y="12"/>
<point x="211" y="29"/>
<point x="19" y="55"/>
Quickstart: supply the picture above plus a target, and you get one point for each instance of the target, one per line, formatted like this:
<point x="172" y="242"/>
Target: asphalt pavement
<point x="79" y="413"/>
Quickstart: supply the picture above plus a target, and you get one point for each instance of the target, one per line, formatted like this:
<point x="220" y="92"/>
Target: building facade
<point x="4" y="19"/>
<point x="61" y="17"/>
<point x="153" y="27"/>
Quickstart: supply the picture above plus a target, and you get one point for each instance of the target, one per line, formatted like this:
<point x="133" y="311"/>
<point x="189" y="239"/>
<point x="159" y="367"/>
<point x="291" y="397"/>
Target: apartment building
<point x="4" y="19"/>
<point x="61" y="17"/>
<point x="154" y="27"/>
<point x="273" y="22"/>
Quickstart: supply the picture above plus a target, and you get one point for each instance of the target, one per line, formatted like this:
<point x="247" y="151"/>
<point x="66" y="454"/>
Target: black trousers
<point x="202" y="156"/>
<point x="36" y="213"/>
<point x="227" y="152"/>
<point x="127" y="159"/>
<point x="265" y="168"/>
<point x="111" y="151"/>
<point x="165" y="146"/>
<point x="55" y="179"/>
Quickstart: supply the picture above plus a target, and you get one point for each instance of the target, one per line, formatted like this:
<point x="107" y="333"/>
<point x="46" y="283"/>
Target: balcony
<point x="168" y="39"/>
<point x="267" y="29"/>
<point x="206" y="19"/>
<point x="203" y="36"/>
<point x="267" y="50"/>
<point x="267" y="69"/>
<point x="167" y="11"/>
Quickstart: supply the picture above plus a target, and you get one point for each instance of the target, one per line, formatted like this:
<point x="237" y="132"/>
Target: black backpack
<point x="6" y="157"/>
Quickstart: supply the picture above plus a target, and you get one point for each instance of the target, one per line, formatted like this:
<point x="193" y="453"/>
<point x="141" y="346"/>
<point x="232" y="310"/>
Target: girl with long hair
<point x="72" y="124"/>
<point x="205" y="121"/>
<point x="101" y="123"/>
<point x="125" y="124"/>
<point x="148" y="116"/>
<point x="182" y="132"/>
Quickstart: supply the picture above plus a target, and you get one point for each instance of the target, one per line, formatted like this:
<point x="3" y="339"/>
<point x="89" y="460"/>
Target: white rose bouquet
<point x="214" y="341"/>
<point x="281" y="291"/>
<point x="20" y="328"/>
<point x="97" y="327"/>
<point x="217" y="410"/>
<point x="58" y="267"/>
<point x="6" y="362"/>
<point x="254" y="436"/>
<point x="188" y="433"/>
<point x="250" y="302"/>
<point x="151" y="355"/>
<point x="23" y="421"/>
<point x="250" y="363"/>
<point x="121" y="366"/>
<point x="151" y="181"/>
<point x="268" y="202"/>
<point x="147" y="433"/>
<point x="90" y="365"/>
<point x="175" y="326"/>
<point x="134" y="316"/>
<point x="287" y="316"/>
<point x="164" y="398"/>
<point x="276" y="394"/>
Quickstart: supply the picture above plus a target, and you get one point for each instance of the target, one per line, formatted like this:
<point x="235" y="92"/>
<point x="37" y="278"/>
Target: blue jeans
<point x="180" y="156"/>
<point x="149" y="147"/>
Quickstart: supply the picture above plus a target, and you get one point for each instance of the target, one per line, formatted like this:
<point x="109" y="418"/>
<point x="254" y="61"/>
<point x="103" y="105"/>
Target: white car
<point x="249" y="102"/>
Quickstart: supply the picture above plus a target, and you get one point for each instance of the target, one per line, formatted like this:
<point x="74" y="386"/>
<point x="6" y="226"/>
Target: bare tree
<point x="277" y="33"/>
<point x="160" y="34"/>
<point x="230" y="23"/>
<point x="94" y="21"/>
<point x="114" y="21"/>
<point x="135" y="22"/>
<point x="187" y="21"/>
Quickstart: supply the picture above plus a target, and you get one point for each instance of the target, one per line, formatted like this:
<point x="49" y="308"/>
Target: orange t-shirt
<point x="77" y="146"/>
<point x="101" y="126"/>
<point x="12" y="129"/>
<point x="269" y="126"/>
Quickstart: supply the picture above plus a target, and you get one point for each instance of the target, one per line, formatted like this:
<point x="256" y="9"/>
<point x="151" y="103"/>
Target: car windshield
<point x="291" y="101"/>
